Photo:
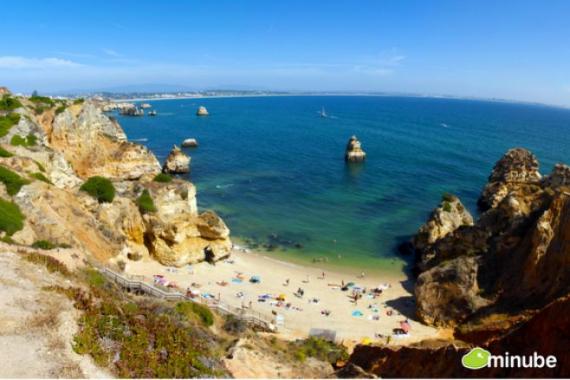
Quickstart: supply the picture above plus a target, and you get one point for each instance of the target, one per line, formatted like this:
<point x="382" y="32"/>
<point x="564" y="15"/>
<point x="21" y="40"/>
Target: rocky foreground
<point x="501" y="282"/>
<point x="51" y="150"/>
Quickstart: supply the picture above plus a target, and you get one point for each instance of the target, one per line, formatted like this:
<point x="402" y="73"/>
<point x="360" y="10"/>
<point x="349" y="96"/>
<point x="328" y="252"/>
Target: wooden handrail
<point x="256" y="320"/>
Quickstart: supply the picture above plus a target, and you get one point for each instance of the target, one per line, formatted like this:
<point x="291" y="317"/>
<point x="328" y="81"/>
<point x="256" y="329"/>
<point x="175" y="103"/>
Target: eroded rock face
<point x="560" y="176"/>
<point x="59" y="216"/>
<point x="449" y="216"/>
<point x="176" y="234"/>
<point x="545" y="332"/>
<point x="94" y="144"/>
<point x="515" y="257"/>
<point x="177" y="162"/>
<point x="448" y="293"/>
<point x="518" y="166"/>
<point x="354" y="152"/>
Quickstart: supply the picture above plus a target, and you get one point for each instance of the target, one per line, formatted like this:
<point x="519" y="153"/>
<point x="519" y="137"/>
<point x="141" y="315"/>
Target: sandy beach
<point x="369" y="319"/>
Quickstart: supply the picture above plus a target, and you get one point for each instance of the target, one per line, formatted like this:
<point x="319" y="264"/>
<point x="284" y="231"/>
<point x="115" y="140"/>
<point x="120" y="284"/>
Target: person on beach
<point x="287" y="282"/>
<point x="362" y="275"/>
<point x="323" y="275"/>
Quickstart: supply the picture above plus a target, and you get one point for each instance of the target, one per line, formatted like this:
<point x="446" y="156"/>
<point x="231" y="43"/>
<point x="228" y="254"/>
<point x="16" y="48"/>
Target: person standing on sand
<point x="323" y="275"/>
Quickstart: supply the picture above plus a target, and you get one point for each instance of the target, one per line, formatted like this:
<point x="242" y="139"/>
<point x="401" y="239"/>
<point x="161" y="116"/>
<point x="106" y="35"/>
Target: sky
<point x="517" y="50"/>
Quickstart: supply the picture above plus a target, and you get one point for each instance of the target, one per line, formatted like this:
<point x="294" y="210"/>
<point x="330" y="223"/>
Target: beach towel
<point x="357" y="313"/>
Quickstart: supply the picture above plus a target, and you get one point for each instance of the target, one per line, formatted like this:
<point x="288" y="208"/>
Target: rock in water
<point x="190" y="143"/>
<point x="202" y="111"/>
<point x="354" y="152"/>
<point x="176" y="162"/>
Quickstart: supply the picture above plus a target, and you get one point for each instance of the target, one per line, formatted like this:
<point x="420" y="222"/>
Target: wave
<point x="144" y="139"/>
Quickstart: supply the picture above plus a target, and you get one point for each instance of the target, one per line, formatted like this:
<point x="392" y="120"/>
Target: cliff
<point x="72" y="177"/>
<point x="501" y="282"/>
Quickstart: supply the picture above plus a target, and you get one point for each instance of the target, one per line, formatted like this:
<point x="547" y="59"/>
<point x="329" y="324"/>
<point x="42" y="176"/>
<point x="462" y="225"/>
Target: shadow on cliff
<point x="405" y="305"/>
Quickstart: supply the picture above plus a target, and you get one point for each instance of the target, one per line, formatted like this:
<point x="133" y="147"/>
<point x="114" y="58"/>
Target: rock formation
<point x="354" y="152"/>
<point x="4" y="91"/>
<point x="95" y="144"/>
<point x="518" y="167"/>
<point x="515" y="248"/>
<point x="79" y="142"/>
<point x="449" y="216"/>
<point x="177" y="162"/>
<point x="190" y="143"/>
<point x="501" y="283"/>
<point x="545" y="332"/>
<point x="202" y="111"/>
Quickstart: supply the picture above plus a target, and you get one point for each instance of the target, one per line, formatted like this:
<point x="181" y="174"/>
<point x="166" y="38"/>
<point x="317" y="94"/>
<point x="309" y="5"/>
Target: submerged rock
<point x="354" y="152"/>
<point x="177" y="162"/>
<point x="190" y="143"/>
<point x="202" y="111"/>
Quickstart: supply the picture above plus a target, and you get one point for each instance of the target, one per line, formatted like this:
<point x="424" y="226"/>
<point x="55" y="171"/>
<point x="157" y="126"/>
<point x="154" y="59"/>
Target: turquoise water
<point x="275" y="171"/>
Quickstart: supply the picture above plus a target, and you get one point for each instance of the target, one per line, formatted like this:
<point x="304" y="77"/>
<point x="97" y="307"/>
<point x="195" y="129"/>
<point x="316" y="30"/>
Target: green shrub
<point x="192" y="308"/>
<point x="100" y="188"/>
<point x="40" y="166"/>
<point x="29" y="140"/>
<point x="446" y="206"/>
<point x="234" y="325"/>
<point x="5" y="153"/>
<point x="145" y="202"/>
<point x="40" y="177"/>
<point x="60" y="109"/>
<point x="95" y="278"/>
<point x="12" y="180"/>
<point x="42" y="100"/>
<point x="447" y="197"/>
<point x="11" y="218"/>
<point x="43" y="244"/>
<point x="162" y="177"/>
<point x="51" y="264"/>
<point x="7" y="122"/>
<point x="8" y="103"/>
<point x="321" y="349"/>
<point x="79" y="101"/>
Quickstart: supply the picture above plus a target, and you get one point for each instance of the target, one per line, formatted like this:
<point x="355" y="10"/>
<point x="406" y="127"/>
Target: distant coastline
<point x="171" y="96"/>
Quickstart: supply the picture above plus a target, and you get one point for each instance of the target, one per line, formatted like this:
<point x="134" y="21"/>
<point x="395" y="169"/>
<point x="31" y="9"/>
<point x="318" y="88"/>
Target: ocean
<point x="274" y="169"/>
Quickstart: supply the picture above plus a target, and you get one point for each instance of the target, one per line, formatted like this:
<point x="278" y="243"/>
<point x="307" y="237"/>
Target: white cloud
<point x="15" y="62"/>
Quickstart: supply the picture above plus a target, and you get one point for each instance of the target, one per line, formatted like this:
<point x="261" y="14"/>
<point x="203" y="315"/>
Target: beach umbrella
<point x="255" y="279"/>
<point x="281" y="297"/>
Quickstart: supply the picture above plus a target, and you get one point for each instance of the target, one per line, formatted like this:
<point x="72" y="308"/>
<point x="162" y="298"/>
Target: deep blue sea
<point x="274" y="169"/>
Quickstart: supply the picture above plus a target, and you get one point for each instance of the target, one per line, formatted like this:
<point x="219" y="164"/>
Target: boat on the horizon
<point x="323" y="113"/>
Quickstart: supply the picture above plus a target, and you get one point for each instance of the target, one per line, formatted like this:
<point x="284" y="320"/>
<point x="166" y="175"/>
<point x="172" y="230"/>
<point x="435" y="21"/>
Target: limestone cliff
<point x="59" y="146"/>
<point x="516" y="256"/>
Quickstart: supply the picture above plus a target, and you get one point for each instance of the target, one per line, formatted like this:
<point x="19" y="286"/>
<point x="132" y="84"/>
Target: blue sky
<point x="517" y="50"/>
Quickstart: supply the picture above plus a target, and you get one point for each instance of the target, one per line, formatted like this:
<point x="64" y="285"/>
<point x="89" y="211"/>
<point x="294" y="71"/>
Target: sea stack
<point x="202" y="111"/>
<point x="190" y="143"/>
<point x="354" y="152"/>
<point x="176" y="162"/>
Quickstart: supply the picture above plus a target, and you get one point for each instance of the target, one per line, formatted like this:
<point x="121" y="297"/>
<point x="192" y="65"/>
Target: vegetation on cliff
<point x="11" y="218"/>
<point x="7" y="122"/>
<point x="28" y="141"/>
<point x="99" y="188"/>
<point x="9" y="103"/>
<point x="11" y="180"/>
<point x="145" y="202"/>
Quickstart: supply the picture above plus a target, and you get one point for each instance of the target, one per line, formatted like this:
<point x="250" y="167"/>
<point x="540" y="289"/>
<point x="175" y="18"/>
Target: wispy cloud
<point x="112" y="53"/>
<point x="17" y="62"/>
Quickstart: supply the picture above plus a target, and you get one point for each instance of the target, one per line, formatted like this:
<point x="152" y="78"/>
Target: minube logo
<point x="479" y="358"/>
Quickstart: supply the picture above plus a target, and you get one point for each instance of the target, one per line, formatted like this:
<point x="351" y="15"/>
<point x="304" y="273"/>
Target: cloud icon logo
<point x="477" y="358"/>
